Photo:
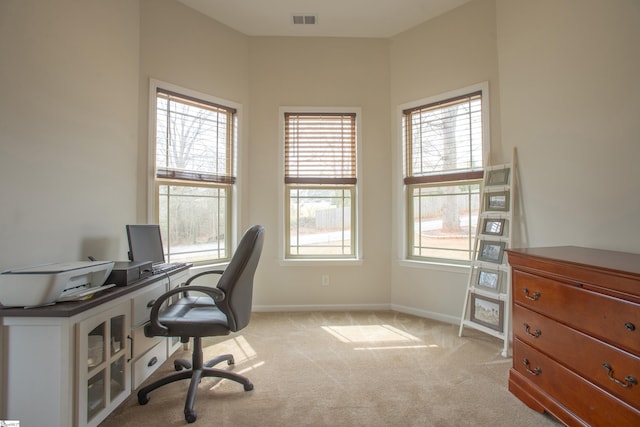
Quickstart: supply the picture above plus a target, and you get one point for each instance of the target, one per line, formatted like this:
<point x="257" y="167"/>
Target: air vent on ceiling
<point x="305" y="19"/>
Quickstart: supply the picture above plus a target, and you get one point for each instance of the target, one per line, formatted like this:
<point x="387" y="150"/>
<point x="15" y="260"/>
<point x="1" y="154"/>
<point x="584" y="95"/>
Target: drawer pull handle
<point x="130" y="348"/>
<point x="630" y="326"/>
<point x="153" y="361"/>
<point x="527" y="366"/>
<point x="150" y="303"/>
<point x="628" y="381"/>
<point x="535" y="296"/>
<point x="534" y="334"/>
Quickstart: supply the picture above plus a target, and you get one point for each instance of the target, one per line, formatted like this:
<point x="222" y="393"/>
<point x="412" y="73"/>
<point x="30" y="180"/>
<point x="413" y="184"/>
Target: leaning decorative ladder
<point x="488" y="297"/>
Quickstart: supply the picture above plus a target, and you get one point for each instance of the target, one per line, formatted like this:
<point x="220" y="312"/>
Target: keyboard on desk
<point x="167" y="267"/>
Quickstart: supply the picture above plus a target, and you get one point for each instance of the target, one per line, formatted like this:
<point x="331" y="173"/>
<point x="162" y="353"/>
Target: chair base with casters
<point x="195" y="371"/>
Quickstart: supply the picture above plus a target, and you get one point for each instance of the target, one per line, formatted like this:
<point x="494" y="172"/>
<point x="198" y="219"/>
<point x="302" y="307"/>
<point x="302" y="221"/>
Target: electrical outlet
<point x="325" y="280"/>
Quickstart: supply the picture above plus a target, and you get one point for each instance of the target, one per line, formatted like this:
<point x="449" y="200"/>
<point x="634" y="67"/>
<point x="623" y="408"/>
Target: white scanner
<point x="45" y="284"/>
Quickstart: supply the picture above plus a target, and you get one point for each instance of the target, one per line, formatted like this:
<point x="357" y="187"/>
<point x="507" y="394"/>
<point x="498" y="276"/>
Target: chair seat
<point x="191" y="317"/>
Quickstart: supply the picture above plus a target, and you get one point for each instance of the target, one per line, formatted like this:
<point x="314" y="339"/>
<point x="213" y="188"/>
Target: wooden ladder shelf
<point x="487" y="301"/>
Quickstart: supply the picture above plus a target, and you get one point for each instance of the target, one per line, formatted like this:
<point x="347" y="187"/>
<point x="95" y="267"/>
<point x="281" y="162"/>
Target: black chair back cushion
<point x="237" y="280"/>
<point x="197" y="315"/>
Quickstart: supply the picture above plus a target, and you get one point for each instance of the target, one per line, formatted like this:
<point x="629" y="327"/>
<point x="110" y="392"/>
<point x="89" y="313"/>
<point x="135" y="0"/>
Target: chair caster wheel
<point x="180" y="364"/>
<point x="231" y="362"/>
<point x="143" y="399"/>
<point x="248" y="387"/>
<point x="190" y="416"/>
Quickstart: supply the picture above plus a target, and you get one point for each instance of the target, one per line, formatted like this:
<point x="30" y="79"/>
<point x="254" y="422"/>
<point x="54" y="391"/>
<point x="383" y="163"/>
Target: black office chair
<point x="225" y="308"/>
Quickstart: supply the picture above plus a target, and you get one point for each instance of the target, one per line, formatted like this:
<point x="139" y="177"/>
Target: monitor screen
<point x="145" y="243"/>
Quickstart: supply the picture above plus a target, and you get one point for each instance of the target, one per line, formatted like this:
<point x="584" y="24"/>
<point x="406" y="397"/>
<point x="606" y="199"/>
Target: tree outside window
<point x="443" y="170"/>
<point x="194" y="176"/>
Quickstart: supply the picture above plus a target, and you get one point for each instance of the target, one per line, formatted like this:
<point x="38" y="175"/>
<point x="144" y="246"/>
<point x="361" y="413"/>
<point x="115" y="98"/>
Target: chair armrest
<point x="195" y="276"/>
<point x="215" y="293"/>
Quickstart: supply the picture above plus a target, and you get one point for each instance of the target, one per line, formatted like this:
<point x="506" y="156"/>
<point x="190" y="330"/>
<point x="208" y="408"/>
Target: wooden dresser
<point x="576" y="334"/>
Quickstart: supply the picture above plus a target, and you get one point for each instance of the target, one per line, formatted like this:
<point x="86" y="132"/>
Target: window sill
<point x="317" y="262"/>
<point x="432" y="265"/>
<point x="205" y="267"/>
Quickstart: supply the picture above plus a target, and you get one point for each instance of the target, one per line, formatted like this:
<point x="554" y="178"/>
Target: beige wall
<point x="321" y="72"/>
<point x="68" y="129"/>
<point x="182" y="47"/>
<point x="453" y="51"/>
<point x="569" y="84"/>
<point x="563" y="79"/>
<point x="564" y="94"/>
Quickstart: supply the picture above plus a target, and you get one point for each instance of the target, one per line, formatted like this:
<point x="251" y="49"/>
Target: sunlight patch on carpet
<point x="370" y="334"/>
<point x="238" y="346"/>
<point x="218" y="382"/>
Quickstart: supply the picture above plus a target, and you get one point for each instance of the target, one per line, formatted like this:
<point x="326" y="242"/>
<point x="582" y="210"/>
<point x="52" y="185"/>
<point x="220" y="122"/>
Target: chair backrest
<point x="237" y="279"/>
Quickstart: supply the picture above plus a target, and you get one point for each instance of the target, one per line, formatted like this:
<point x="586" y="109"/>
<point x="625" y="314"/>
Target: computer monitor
<point x="145" y="243"/>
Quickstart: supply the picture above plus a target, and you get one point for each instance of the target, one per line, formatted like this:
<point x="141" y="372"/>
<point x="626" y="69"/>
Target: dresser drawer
<point x="610" y="272"/>
<point x="570" y="347"/>
<point x="611" y="319"/>
<point x="142" y="303"/>
<point x="148" y="363"/>
<point x="551" y="380"/>
<point x="141" y="343"/>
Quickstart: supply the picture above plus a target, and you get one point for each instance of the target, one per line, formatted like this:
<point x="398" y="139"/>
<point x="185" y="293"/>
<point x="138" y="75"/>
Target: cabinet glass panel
<point x="117" y="334"/>
<point x="117" y="378"/>
<point x="95" y="395"/>
<point x="95" y="355"/>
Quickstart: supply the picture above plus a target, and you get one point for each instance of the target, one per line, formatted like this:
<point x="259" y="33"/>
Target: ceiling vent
<point x="305" y="19"/>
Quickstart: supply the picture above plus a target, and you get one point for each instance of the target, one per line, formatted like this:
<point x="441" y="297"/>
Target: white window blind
<point x="194" y="139"/>
<point x="320" y="148"/>
<point x="444" y="140"/>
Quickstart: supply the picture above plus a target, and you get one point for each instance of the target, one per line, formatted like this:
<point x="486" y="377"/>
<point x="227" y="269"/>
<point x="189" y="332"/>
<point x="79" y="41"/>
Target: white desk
<point x="73" y="363"/>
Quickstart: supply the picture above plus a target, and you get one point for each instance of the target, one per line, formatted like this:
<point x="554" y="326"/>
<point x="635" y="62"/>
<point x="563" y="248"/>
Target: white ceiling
<point x="335" y="18"/>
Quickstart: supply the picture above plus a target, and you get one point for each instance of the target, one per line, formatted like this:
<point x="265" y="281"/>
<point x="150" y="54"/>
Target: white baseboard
<point x="426" y="314"/>
<point x="320" y="307"/>
<point x="358" y="307"/>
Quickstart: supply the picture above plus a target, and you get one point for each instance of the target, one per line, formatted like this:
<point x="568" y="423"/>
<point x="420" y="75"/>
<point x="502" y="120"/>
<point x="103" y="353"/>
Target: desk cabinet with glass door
<point x="73" y="363"/>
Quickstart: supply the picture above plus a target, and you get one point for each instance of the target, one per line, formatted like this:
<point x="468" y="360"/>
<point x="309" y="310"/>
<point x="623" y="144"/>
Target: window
<point x="320" y="185"/>
<point x="443" y="168"/>
<point x="195" y="150"/>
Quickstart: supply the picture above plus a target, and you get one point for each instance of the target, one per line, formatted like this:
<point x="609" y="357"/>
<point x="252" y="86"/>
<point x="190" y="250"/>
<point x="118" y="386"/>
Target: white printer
<point x="48" y="283"/>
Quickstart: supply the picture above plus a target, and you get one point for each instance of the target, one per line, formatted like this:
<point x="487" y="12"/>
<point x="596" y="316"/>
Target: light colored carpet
<point x="345" y="369"/>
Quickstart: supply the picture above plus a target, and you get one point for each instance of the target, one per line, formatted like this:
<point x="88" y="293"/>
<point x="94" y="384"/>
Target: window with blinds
<point x="320" y="148"/>
<point x="443" y="168"/>
<point x="320" y="178"/>
<point x="195" y="145"/>
<point x="443" y="140"/>
<point x="194" y="139"/>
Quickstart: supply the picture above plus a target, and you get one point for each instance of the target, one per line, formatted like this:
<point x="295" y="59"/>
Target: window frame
<point x="410" y="222"/>
<point x="404" y="190"/>
<point x="283" y="205"/>
<point x="154" y="183"/>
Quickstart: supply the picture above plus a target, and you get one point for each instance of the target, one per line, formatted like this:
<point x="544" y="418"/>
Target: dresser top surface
<point x="622" y="262"/>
